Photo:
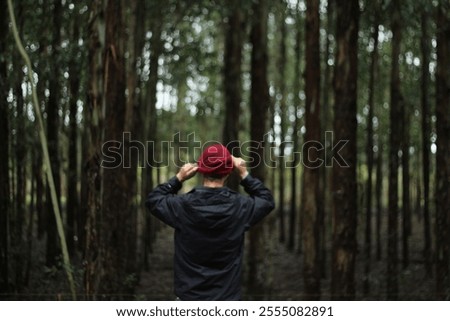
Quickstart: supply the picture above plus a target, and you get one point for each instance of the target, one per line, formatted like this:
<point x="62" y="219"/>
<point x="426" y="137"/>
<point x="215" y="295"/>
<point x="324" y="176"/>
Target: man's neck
<point x="214" y="183"/>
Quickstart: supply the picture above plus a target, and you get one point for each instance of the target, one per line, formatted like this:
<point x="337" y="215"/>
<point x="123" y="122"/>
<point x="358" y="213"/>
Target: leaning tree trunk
<point x="344" y="175"/>
<point x="259" y="104"/>
<point x="443" y="152"/>
<point x="311" y="193"/>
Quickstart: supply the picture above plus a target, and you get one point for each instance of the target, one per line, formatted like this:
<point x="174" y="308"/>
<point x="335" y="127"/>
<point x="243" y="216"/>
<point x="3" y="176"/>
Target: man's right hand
<point x="240" y="166"/>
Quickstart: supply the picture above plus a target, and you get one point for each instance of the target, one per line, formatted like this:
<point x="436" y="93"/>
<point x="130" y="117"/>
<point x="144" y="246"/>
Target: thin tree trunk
<point x="406" y="206"/>
<point x="311" y="226"/>
<point x="156" y="47"/>
<point x="232" y="72"/>
<point x="4" y="158"/>
<point x="378" y="198"/>
<point x="443" y="152"/>
<point x="394" y="146"/>
<point x="72" y="179"/>
<point x="53" y="249"/>
<point x="93" y="136"/>
<point x="425" y="80"/>
<point x="295" y="134"/>
<point x="282" y="114"/>
<point x="20" y="173"/>
<point x="369" y="152"/>
<point x="259" y="104"/>
<point x="326" y="126"/>
<point x="136" y="105"/>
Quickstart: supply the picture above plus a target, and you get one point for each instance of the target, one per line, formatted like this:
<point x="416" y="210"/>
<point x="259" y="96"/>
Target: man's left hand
<point x="187" y="171"/>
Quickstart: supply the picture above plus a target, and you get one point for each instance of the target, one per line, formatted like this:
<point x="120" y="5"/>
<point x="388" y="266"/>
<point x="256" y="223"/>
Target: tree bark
<point x="406" y="206"/>
<point x="4" y="157"/>
<point x="443" y="152"/>
<point x="425" y="81"/>
<point x="369" y="153"/>
<point x="118" y="233"/>
<point x="93" y="137"/>
<point x="311" y="192"/>
<point x="72" y="176"/>
<point x="232" y="73"/>
<point x="344" y="175"/>
<point x="282" y="114"/>
<point x="394" y="146"/>
<point x="53" y="124"/>
<point x="378" y="197"/>
<point x="295" y="135"/>
<point x="151" y="126"/>
<point x="259" y="104"/>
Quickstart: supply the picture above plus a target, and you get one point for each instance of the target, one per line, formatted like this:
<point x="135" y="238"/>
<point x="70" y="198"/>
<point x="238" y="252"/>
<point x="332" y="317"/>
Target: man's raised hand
<point x="240" y="166"/>
<point x="187" y="171"/>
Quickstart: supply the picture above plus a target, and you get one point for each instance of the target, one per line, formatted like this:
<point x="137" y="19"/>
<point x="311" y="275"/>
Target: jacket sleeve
<point x="261" y="199"/>
<point x="163" y="203"/>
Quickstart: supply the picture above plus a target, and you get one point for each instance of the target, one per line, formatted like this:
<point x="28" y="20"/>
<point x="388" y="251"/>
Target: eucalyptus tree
<point x="4" y="157"/>
<point x="311" y="157"/>
<point x="443" y="151"/>
<point x="344" y="174"/>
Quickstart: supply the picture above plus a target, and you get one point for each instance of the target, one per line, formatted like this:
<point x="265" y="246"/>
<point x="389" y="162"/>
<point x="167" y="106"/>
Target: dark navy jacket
<point x="209" y="228"/>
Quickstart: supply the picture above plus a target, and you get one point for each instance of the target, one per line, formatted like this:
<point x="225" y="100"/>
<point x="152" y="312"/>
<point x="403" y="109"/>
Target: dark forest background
<point x="283" y="72"/>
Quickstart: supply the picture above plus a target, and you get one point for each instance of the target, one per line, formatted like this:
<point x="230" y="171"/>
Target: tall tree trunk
<point x="118" y="231"/>
<point x="259" y="104"/>
<point x="20" y="174"/>
<point x="4" y="157"/>
<point x="344" y="175"/>
<point x="406" y="206"/>
<point x="151" y="130"/>
<point x="282" y="114"/>
<point x="72" y="175"/>
<point x="326" y="113"/>
<point x="394" y="146"/>
<point x="443" y="152"/>
<point x="92" y="140"/>
<point x="135" y="123"/>
<point x="378" y="197"/>
<point x="425" y="80"/>
<point x="295" y="134"/>
<point x="311" y="156"/>
<point x="18" y="171"/>
<point x="232" y="72"/>
<point x="369" y="152"/>
<point x="134" y="127"/>
<point x="53" y="250"/>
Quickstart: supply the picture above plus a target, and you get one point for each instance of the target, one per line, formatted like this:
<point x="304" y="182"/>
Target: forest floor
<point x="286" y="273"/>
<point x="283" y="271"/>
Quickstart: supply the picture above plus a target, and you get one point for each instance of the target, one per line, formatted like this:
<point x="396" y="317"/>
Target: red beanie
<point x="216" y="160"/>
